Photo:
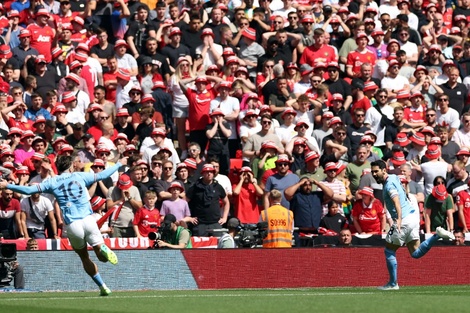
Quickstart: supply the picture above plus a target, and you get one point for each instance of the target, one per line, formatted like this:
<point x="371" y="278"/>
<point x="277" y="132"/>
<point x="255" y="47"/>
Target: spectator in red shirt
<point x="199" y="106"/>
<point x="147" y="218"/>
<point x="368" y="213"/>
<point x="11" y="215"/>
<point x="359" y="56"/>
<point x="42" y="35"/>
<point x="245" y="197"/>
<point x="18" y="108"/>
<point x="319" y="51"/>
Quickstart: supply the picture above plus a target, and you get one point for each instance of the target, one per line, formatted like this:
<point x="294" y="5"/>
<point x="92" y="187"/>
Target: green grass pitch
<point x="362" y="300"/>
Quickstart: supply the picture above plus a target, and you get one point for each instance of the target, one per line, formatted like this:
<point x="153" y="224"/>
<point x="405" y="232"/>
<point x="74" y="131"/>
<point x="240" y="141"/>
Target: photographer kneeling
<point x="174" y="236"/>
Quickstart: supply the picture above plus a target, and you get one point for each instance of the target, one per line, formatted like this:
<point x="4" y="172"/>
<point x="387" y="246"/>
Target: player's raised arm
<point x="107" y="172"/>
<point x="26" y="190"/>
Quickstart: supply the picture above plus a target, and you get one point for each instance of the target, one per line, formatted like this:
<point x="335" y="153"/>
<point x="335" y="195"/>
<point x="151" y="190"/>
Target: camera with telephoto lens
<point x="7" y="259"/>
<point x="251" y="235"/>
<point x="163" y="233"/>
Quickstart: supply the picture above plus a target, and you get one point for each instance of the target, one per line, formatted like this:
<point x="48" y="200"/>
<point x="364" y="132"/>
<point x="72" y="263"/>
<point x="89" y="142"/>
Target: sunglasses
<point x="341" y="134"/>
<point x="443" y="99"/>
<point x="283" y="164"/>
<point x="430" y="115"/>
<point x="98" y="167"/>
<point x="382" y="96"/>
<point x="316" y="81"/>
<point x="267" y="122"/>
<point x="168" y="168"/>
<point x="359" y="115"/>
<point x="103" y="117"/>
<point x="157" y="164"/>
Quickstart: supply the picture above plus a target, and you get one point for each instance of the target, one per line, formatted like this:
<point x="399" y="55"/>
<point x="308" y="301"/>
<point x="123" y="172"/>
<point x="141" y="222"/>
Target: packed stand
<point x="219" y="103"/>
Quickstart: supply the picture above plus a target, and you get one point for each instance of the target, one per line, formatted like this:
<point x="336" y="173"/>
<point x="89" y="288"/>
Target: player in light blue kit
<point x="405" y="228"/>
<point x="71" y="192"/>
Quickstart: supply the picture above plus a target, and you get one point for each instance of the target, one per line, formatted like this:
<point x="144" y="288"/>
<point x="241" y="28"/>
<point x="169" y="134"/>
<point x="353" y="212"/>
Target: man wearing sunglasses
<point x="283" y="179"/>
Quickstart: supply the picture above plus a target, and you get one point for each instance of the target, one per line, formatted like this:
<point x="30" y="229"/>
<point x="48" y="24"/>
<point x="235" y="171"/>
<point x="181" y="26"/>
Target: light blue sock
<point x="425" y="246"/>
<point x="98" y="280"/>
<point x="391" y="259"/>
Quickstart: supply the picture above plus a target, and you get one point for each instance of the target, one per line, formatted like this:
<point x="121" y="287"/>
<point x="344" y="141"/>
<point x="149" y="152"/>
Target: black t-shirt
<point x="20" y="54"/>
<point x="340" y="86"/>
<point x="132" y="107"/>
<point x="47" y="82"/>
<point x="392" y="131"/>
<point x="144" y="131"/>
<point x="337" y="39"/>
<point x="457" y="96"/>
<point x="77" y="5"/>
<point x="355" y="134"/>
<point x="333" y="222"/>
<point x="286" y="50"/>
<point x="140" y="32"/>
<point x="173" y="54"/>
<point x="128" y="130"/>
<point x="190" y="39"/>
<point x="460" y="11"/>
<point x="449" y="151"/>
<point x="160" y="61"/>
<point x="278" y="57"/>
<point x="103" y="53"/>
<point x="161" y="185"/>
<point x="219" y="143"/>
<point x="204" y="201"/>
<point x="215" y="29"/>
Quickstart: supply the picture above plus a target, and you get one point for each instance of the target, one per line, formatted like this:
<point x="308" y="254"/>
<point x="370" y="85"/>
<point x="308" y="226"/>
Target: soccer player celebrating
<point x="405" y="228"/>
<point x="70" y="190"/>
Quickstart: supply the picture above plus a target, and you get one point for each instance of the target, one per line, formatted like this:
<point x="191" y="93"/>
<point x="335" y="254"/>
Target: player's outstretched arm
<point x="109" y="171"/>
<point x="26" y="190"/>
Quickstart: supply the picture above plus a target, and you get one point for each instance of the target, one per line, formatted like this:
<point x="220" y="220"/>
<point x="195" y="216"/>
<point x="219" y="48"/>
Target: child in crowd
<point x="177" y="206"/>
<point x="334" y="221"/>
<point x="147" y="218"/>
<point x="98" y="205"/>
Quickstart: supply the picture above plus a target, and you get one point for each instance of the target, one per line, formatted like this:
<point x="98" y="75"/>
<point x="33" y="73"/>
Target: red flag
<point x="116" y="208"/>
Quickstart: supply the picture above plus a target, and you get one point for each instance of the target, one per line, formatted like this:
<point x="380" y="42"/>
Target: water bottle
<point x="379" y="53"/>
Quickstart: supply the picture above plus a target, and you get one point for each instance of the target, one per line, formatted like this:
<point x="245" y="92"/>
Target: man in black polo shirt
<point x="456" y="91"/>
<point x="337" y="84"/>
<point x="203" y="198"/>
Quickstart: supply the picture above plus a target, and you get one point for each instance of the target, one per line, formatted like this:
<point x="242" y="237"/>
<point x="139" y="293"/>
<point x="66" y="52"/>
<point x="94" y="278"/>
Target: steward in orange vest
<point x="280" y="223"/>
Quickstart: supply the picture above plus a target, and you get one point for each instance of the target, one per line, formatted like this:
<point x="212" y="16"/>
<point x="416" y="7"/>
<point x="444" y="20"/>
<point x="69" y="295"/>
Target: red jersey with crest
<point x="357" y="58"/>
<point x="415" y="115"/>
<point x="146" y="220"/>
<point x="463" y="199"/>
<point x="312" y="55"/>
<point x="199" y="107"/>
<point x="369" y="217"/>
<point x="64" y="21"/>
<point x="41" y="39"/>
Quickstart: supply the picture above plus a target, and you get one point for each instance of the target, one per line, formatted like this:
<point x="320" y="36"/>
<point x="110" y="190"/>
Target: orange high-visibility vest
<point x="280" y="224"/>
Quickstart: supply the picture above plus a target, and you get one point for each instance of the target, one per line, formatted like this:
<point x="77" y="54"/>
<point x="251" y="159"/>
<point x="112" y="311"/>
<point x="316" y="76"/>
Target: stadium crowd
<point x="219" y="103"/>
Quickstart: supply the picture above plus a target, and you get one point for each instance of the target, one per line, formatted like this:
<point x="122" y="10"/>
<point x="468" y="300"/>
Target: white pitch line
<point x="322" y="294"/>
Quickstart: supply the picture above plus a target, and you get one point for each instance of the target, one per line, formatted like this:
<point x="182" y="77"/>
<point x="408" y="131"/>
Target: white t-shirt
<point x="396" y="83"/>
<point x="431" y="170"/>
<point x="450" y="118"/>
<point x="227" y="106"/>
<point x="42" y="208"/>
